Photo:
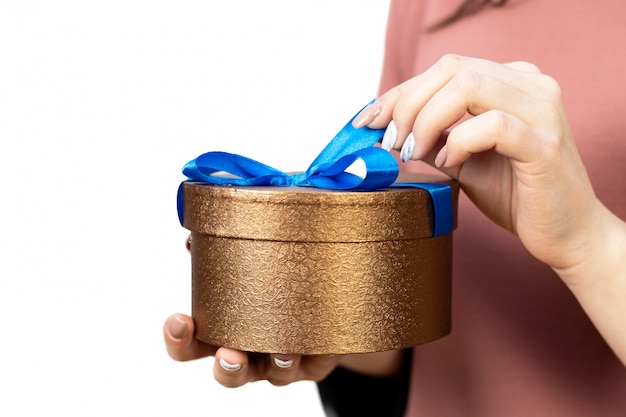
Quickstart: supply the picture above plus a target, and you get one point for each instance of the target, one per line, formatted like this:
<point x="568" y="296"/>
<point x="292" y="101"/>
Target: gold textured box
<point x="303" y="270"/>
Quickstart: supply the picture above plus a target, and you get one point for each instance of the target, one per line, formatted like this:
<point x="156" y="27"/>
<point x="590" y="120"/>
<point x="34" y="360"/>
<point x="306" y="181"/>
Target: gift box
<point x="324" y="261"/>
<point x="306" y="270"/>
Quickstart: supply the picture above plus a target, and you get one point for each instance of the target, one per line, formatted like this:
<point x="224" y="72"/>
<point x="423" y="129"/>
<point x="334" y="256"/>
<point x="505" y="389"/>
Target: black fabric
<point x="346" y="394"/>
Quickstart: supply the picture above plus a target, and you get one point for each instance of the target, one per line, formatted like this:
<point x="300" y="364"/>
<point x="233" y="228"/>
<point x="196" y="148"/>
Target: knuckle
<point x="552" y="114"/>
<point x="402" y="101"/>
<point x="450" y="63"/>
<point x="530" y="67"/>
<point x="229" y="382"/>
<point x="527" y="67"/>
<point x="175" y="356"/>
<point x="500" y="124"/>
<point x="550" y="88"/>
<point x="550" y="148"/>
<point x="467" y="81"/>
<point x="179" y="357"/>
<point x="552" y="128"/>
<point x="402" y="111"/>
<point x="279" y="382"/>
<point x="500" y="121"/>
<point x="281" y="378"/>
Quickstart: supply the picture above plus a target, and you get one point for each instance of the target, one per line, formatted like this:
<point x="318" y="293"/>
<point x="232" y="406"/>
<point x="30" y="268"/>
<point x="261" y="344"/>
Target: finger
<point x="467" y="92"/>
<point x="483" y="137"/>
<point x="232" y="368"/>
<point x="497" y="130"/>
<point x="283" y="369"/>
<point x="438" y="148"/>
<point x="403" y="103"/>
<point x="178" y="333"/>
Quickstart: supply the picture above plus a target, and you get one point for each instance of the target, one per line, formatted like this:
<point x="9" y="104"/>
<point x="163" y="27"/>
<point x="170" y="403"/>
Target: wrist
<point x="599" y="282"/>
<point x="595" y="252"/>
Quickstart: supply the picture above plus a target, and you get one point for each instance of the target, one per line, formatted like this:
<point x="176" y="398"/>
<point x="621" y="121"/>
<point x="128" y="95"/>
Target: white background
<point x="101" y="103"/>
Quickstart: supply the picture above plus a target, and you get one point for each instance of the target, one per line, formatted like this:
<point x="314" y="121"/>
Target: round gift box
<point x="303" y="270"/>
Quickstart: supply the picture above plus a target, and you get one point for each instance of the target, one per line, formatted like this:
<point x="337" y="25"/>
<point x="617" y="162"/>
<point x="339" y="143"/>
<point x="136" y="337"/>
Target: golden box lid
<point x="309" y="214"/>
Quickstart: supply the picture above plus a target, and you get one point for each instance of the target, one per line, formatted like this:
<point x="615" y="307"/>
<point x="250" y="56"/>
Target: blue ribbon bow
<point x="328" y="170"/>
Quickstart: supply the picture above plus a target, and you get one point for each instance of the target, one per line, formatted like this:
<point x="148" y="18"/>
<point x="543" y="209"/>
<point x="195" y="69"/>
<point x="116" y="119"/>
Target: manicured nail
<point x="230" y="367"/>
<point x="177" y="327"/>
<point x="368" y="114"/>
<point x="389" y="138"/>
<point x="441" y="157"/>
<point x="283" y="363"/>
<point x="407" y="149"/>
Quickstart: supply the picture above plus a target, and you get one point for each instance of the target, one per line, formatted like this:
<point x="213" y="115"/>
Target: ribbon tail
<point x="441" y="196"/>
<point x="180" y="204"/>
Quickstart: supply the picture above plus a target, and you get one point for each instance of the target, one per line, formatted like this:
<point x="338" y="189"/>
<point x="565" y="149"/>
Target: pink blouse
<point x="520" y="343"/>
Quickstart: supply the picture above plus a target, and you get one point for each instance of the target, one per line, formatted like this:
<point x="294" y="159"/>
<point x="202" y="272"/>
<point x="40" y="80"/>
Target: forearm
<point x="599" y="281"/>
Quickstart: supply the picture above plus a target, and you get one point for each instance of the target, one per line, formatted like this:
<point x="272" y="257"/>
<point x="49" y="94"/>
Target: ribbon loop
<point x="248" y="171"/>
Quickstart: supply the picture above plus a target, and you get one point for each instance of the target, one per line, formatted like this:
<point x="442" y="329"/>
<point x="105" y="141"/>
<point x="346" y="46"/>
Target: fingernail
<point x="368" y="114"/>
<point x="230" y="367"/>
<point x="389" y="138"/>
<point x="177" y="327"/>
<point x="407" y="149"/>
<point x="283" y="363"/>
<point x="441" y="157"/>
